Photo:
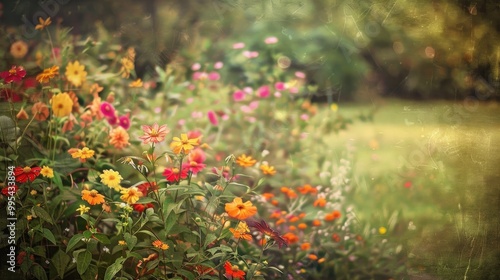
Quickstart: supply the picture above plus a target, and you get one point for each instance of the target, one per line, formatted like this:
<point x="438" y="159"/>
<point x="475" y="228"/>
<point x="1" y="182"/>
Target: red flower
<point x="15" y="74"/>
<point x="141" y="207"/>
<point x="5" y="191"/>
<point x="174" y="174"/>
<point x="146" y="187"/>
<point x="193" y="166"/>
<point x="26" y="173"/>
<point x="264" y="228"/>
<point x="10" y="95"/>
<point x="233" y="271"/>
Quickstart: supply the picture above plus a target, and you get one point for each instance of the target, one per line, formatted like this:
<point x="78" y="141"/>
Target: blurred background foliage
<point x="351" y="50"/>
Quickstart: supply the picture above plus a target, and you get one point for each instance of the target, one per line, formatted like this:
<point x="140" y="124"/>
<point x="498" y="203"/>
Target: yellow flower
<point x="122" y="243"/>
<point x="29" y="217"/>
<point x="241" y="231"/>
<point x="47" y="172"/>
<point x="183" y="144"/>
<point x="61" y="104"/>
<point x="19" y="49"/>
<point x="75" y="73"/>
<point x="382" y="230"/>
<point x="83" y="154"/>
<point x="93" y="197"/>
<point x="127" y="67"/>
<point x="33" y="192"/>
<point x="130" y="195"/>
<point x="47" y="74"/>
<point x="160" y="245"/>
<point x="267" y="169"/>
<point x="136" y="84"/>
<point x="111" y="179"/>
<point x="83" y="209"/>
<point x="334" y="107"/>
<point x="43" y="23"/>
<point x="245" y="161"/>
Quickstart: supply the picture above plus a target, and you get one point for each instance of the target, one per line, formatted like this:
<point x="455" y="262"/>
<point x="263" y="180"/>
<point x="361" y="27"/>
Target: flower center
<point x="154" y="133"/>
<point x="111" y="177"/>
<point x="175" y="170"/>
<point x="240" y="206"/>
<point x="12" y="71"/>
<point x="27" y="169"/>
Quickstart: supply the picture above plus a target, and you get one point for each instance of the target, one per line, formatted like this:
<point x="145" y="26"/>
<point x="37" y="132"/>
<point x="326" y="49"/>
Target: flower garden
<point x="188" y="175"/>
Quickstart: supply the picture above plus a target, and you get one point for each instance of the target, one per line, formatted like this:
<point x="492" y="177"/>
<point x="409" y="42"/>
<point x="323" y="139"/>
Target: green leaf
<point x="49" y="235"/>
<point x="91" y="273"/>
<point x="145" y="199"/>
<point x="42" y="214"/>
<point x="39" y="272"/>
<point x="57" y="180"/>
<point x="209" y="239"/>
<point x="87" y="234"/>
<point x="60" y="261"/>
<point x="131" y="240"/>
<point x="77" y="238"/>
<point x="58" y="138"/>
<point x="113" y="269"/>
<point x="83" y="261"/>
<point x="93" y="175"/>
<point x="103" y="238"/>
<point x="170" y="221"/>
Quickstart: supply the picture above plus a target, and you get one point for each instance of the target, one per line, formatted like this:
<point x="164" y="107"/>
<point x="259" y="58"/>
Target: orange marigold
<point x="245" y="161"/>
<point x="332" y="216"/>
<point x="291" y="238"/>
<point x="93" y="197"/>
<point x="320" y="202"/>
<point x="119" y="138"/>
<point x="240" y="210"/>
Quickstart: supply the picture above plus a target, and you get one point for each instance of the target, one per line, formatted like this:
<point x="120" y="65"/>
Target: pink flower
<point x="212" y="117"/>
<point x="191" y="87"/>
<point x="279" y="86"/>
<point x="271" y="40"/>
<point x="239" y="45"/>
<point x="251" y="119"/>
<point x="195" y="161"/>
<point x="248" y="90"/>
<point x="196" y="115"/>
<point x="154" y="133"/>
<point x="197" y="154"/>
<point x="263" y="91"/>
<point x="254" y="105"/>
<point x="300" y="75"/>
<point x="277" y="94"/>
<point x="293" y="90"/>
<point x="304" y="117"/>
<point x="249" y="54"/>
<point x="124" y="122"/>
<point x="214" y="76"/>
<point x="112" y="120"/>
<point x="218" y="65"/>
<point x="196" y="66"/>
<point x="192" y="134"/>
<point x="189" y="100"/>
<point x="246" y="109"/>
<point x="107" y="110"/>
<point x="199" y="76"/>
<point x="238" y="95"/>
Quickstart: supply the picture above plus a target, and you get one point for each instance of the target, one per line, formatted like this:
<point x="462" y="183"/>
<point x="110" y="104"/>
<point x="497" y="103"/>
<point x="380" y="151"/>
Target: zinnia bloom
<point x="124" y="121"/>
<point x="136" y="84"/>
<point x="47" y="172"/>
<point x="75" y="73"/>
<point x="320" y="202"/>
<point x="269" y="233"/>
<point x="332" y="216"/>
<point x="93" y="197"/>
<point x="174" y="175"/>
<point x="130" y="195"/>
<point x="160" y="245"/>
<point x="119" y="138"/>
<point x="183" y="144"/>
<point x="61" y="104"/>
<point x="19" y="49"/>
<point x="26" y="173"/>
<point x="241" y="231"/>
<point x="239" y="210"/>
<point x="234" y="271"/>
<point x="212" y="117"/>
<point x="15" y="74"/>
<point x="82" y="154"/>
<point x="107" y="109"/>
<point x="47" y="74"/>
<point x="245" y="161"/>
<point x="290" y="238"/>
<point x="154" y="134"/>
<point x="267" y="169"/>
<point x="111" y="179"/>
<point x="127" y="67"/>
<point x="40" y="111"/>
<point x="43" y="23"/>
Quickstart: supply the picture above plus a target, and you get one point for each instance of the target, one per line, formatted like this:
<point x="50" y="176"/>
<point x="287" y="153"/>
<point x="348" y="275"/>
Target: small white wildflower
<point x="105" y="249"/>
<point x="74" y="260"/>
<point x="265" y="153"/>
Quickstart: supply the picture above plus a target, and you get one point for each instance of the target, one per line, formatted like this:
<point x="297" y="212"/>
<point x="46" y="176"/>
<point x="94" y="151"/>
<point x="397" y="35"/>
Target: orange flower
<point x="312" y="257"/>
<point x="291" y="238"/>
<point x="160" y="245"/>
<point x="92" y="197"/>
<point x="320" y="202"/>
<point x="40" y="111"/>
<point x="22" y="115"/>
<point x="267" y="195"/>
<point x="233" y="271"/>
<point x="294" y="219"/>
<point x="305" y="189"/>
<point x="43" y="23"/>
<point x="82" y="154"/>
<point x="332" y="216"/>
<point x="305" y="246"/>
<point x="239" y="210"/>
<point x="316" y="223"/>
<point x="47" y="74"/>
<point x="136" y="84"/>
<point x="289" y="192"/>
<point x="245" y="161"/>
<point x="119" y="138"/>
<point x="241" y="231"/>
<point x="292" y="228"/>
<point x="302" y="226"/>
<point x="267" y="169"/>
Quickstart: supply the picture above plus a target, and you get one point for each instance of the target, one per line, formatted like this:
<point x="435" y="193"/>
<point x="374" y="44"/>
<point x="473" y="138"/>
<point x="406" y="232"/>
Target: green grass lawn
<point x="448" y="219"/>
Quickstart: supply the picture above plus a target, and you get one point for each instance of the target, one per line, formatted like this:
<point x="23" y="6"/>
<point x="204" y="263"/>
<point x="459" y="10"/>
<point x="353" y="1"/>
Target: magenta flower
<point x="107" y="110"/>
<point x="238" y="95"/>
<point x="124" y="122"/>
<point x="113" y="120"/>
<point x="212" y="117"/>
<point x="154" y="133"/>
<point x="264" y="91"/>
<point x="214" y="76"/>
<point x="280" y="86"/>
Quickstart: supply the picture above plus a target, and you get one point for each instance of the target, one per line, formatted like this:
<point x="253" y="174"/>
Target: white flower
<point x="105" y="249"/>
